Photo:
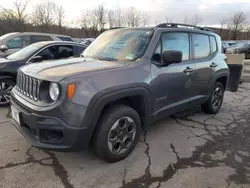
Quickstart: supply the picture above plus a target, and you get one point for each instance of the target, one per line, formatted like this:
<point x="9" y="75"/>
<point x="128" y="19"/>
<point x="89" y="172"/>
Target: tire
<point x="6" y="85"/>
<point x="208" y="106"/>
<point x="108" y="128"/>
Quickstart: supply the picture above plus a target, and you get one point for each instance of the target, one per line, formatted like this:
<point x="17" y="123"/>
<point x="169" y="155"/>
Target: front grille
<point x="28" y="86"/>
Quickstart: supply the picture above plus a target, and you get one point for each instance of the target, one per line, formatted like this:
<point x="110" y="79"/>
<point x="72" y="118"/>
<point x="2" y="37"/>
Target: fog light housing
<point x="51" y="135"/>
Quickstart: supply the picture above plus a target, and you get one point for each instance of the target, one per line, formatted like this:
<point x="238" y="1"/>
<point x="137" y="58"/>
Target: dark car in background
<point x="240" y="48"/>
<point x="38" y="52"/>
<point x="13" y="42"/>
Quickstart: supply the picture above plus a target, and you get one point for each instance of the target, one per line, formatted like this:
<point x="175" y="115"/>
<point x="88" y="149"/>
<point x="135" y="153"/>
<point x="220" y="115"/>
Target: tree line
<point x="47" y="16"/>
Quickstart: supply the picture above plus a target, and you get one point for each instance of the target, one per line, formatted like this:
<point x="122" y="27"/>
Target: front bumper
<point x="50" y="132"/>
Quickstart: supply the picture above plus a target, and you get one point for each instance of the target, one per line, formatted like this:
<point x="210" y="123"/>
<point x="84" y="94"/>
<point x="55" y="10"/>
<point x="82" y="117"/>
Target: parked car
<point x="12" y="42"/>
<point x="225" y="45"/>
<point x="240" y="48"/>
<point x="106" y="97"/>
<point x="37" y="52"/>
<point x="87" y="41"/>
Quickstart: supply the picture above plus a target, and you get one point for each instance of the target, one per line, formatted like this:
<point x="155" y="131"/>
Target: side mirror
<point x="171" y="56"/>
<point x="3" y="48"/>
<point x="37" y="59"/>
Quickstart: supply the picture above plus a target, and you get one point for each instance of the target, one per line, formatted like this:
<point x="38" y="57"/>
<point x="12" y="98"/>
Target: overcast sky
<point x="211" y="11"/>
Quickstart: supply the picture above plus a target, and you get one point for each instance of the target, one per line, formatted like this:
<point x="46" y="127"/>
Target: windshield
<point x="25" y="52"/>
<point x="242" y="44"/>
<point x="119" y="45"/>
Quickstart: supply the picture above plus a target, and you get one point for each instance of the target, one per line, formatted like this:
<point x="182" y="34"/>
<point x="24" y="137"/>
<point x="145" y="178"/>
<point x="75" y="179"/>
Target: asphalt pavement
<point x="188" y="150"/>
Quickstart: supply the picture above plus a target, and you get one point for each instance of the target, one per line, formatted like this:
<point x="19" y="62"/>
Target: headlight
<point x="54" y="91"/>
<point x="237" y="51"/>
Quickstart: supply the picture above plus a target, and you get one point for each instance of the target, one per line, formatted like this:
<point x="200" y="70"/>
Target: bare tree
<point x="119" y="17"/>
<point x="44" y="15"/>
<point x="17" y="14"/>
<point x="100" y="14"/>
<point x="20" y="12"/>
<point x="238" y="21"/>
<point x="144" y="19"/>
<point x="111" y="18"/>
<point x="132" y="17"/>
<point x="196" y="19"/>
<point x="60" y="15"/>
<point x="89" y="23"/>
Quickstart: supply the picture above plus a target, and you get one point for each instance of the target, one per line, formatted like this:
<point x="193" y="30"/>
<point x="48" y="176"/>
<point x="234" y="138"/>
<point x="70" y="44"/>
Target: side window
<point x="14" y="43"/>
<point x="25" y="41"/>
<point x="63" y="52"/>
<point x="39" y="38"/>
<point x="176" y="41"/>
<point x="213" y="44"/>
<point x="78" y="50"/>
<point x="46" y="54"/>
<point x="201" y="46"/>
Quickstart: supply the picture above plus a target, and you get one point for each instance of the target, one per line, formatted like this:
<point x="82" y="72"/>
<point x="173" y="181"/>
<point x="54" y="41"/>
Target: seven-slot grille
<point x="28" y="86"/>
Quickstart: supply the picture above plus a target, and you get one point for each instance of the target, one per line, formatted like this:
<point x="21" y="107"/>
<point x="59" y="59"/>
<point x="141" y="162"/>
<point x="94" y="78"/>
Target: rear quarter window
<point x="213" y="44"/>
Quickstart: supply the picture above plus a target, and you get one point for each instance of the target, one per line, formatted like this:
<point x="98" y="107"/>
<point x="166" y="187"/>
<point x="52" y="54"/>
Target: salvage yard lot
<point x="190" y="149"/>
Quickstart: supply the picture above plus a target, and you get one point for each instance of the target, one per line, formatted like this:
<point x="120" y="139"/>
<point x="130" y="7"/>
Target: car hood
<point x="61" y="69"/>
<point x="4" y="60"/>
<point x="7" y="62"/>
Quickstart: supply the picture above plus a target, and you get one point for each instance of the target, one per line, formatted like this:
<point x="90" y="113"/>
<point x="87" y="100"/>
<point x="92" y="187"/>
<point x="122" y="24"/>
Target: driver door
<point x="171" y="84"/>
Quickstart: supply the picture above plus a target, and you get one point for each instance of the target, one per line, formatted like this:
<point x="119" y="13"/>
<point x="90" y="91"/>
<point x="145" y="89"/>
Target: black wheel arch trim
<point x="101" y="99"/>
<point x="7" y="77"/>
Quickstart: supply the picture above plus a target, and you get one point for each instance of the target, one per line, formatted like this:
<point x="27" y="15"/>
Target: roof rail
<point x="178" y="25"/>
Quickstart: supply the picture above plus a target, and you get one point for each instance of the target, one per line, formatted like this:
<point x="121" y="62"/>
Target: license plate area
<point x="15" y="114"/>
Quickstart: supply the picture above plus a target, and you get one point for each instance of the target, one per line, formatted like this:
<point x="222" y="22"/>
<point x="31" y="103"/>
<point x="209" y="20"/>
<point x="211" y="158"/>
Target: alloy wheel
<point x="5" y="89"/>
<point x="217" y="98"/>
<point x="121" y="135"/>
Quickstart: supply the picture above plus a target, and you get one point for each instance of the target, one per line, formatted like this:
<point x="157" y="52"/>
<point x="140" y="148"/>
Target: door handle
<point x="188" y="70"/>
<point x="213" y="65"/>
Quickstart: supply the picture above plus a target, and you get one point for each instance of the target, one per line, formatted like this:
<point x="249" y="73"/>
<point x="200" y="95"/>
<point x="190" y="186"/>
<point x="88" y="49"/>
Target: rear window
<point x="39" y="38"/>
<point x="65" y="38"/>
<point x="201" y="46"/>
<point x="213" y="44"/>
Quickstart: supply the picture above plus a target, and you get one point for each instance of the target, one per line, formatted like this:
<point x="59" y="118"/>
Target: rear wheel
<point x="6" y="85"/>
<point x="213" y="104"/>
<point x="117" y="133"/>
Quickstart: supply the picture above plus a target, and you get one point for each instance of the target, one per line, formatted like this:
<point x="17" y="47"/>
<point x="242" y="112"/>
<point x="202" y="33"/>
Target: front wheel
<point x="117" y="133"/>
<point x="6" y="85"/>
<point x="213" y="104"/>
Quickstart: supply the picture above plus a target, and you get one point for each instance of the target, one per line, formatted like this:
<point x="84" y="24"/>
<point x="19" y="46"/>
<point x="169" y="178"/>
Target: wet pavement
<point x="189" y="149"/>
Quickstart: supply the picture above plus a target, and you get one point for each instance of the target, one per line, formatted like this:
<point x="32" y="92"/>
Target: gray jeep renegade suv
<point x="125" y="79"/>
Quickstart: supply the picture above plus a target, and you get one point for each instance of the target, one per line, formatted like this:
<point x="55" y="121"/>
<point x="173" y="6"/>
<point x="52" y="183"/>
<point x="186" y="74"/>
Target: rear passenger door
<point x="204" y="48"/>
